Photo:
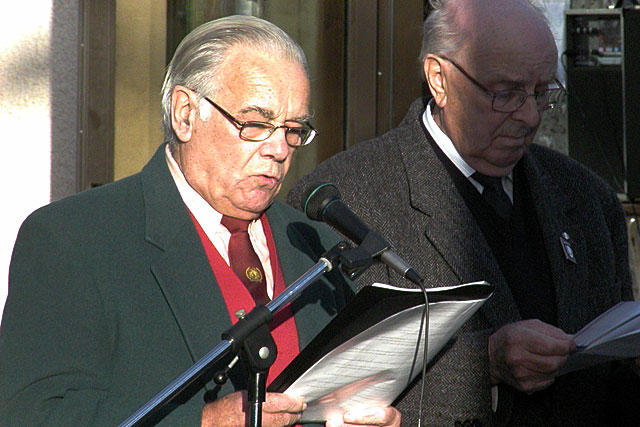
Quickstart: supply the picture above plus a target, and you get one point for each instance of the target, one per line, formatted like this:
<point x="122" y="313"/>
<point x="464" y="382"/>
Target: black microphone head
<point x="318" y="199"/>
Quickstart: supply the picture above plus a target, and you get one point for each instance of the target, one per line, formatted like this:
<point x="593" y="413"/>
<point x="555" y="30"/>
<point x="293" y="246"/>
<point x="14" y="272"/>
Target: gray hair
<point x="199" y="56"/>
<point x="441" y="34"/>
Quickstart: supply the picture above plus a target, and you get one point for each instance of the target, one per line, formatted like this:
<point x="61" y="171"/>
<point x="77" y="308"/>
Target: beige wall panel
<point x="140" y="62"/>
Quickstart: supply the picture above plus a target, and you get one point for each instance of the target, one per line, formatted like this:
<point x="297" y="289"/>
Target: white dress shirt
<point x="447" y="147"/>
<point x="209" y="220"/>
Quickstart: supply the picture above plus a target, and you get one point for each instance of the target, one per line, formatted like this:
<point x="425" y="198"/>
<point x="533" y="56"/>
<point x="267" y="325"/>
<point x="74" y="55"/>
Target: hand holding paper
<point x="278" y="410"/>
<point x="527" y="354"/>
<point x="613" y="335"/>
<point x="383" y="417"/>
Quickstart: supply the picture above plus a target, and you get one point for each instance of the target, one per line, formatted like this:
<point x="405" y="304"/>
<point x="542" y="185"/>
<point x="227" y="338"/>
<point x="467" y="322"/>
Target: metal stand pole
<point x="233" y="339"/>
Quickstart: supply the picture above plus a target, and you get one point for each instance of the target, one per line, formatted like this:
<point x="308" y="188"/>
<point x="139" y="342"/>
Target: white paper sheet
<point x="375" y="366"/>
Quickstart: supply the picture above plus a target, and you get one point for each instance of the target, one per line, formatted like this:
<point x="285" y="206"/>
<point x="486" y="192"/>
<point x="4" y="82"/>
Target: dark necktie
<point x="243" y="259"/>
<point x="494" y="194"/>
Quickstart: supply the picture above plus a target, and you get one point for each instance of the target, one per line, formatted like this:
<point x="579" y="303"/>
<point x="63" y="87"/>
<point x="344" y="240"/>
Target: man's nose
<point x="276" y="145"/>
<point x="528" y="112"/>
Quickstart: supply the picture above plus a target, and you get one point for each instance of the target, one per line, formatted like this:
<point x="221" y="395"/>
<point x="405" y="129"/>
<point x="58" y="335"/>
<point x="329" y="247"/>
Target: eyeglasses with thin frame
<point x="296" y="136"/>
<point x="508" y="101"/>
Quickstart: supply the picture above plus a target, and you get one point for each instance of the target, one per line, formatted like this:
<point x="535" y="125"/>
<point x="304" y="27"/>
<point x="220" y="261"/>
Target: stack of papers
<point x="615" y="334"/>
<point x="374" y="348"/>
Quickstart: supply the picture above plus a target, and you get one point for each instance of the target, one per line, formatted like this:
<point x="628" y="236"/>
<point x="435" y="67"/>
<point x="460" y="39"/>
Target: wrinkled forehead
<point x="276" y="88"/>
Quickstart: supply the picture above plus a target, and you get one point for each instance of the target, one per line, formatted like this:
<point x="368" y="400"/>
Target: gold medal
<point x="253" y="274"/>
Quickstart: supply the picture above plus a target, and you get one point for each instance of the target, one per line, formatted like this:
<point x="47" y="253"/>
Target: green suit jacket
<point x="112" y="297"/>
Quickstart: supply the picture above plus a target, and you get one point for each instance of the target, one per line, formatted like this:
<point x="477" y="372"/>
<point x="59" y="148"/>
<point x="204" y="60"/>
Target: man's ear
<point x="434" y="73"/>
<point x="184" y="111"/>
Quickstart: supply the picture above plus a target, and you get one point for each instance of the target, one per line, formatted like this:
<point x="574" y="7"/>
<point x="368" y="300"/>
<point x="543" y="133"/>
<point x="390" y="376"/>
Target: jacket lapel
<point x="449" y="225"/>
<point x="295" y="241"/>
<point x="182" y="270"/>
<point x="554" y="210"/>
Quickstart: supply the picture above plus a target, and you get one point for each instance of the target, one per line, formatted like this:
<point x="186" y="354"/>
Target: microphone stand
<point x="250" y="336"/>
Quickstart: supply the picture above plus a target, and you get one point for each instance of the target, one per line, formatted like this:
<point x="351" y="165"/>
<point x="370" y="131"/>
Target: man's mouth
<point x="269" y="181"/>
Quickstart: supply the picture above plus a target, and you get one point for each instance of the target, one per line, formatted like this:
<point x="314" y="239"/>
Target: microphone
<point x="324" y="204"/>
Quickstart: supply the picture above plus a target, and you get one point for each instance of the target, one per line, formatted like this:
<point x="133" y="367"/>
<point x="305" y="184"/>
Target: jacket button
<point x="468" y="423"/>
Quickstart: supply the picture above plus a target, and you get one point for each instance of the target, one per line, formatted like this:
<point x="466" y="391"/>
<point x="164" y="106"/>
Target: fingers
<point x="527" y="354"/>
<point x="537" y="337"/>
<point x="278" y="403"/>
<point x="230" y="410"/>
<point x="282" y="410"/>
<point x="377" y="416"/>
<point x="536" y="359"/>
<point x="546" y="339"/>
<point x="531" y="337"/>
<point x="526" y="380"/>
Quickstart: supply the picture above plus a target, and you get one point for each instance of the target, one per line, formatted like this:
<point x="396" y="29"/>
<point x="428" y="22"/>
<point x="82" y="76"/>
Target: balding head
<point x="454" y="25"/>
<point x="490" y="26"/>
<point x="476" y="52"/>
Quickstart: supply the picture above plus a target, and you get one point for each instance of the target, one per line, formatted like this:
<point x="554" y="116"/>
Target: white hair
<point x="201" y="53"/>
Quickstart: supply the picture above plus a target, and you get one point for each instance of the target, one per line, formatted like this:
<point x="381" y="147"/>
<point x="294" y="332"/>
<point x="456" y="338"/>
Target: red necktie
<point x="243" y="259"/>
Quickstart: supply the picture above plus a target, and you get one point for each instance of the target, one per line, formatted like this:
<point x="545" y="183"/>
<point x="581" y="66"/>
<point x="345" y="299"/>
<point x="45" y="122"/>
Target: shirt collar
<point x="447" y="147"/>
<point x="444" y="142"/>
<point x="199" y="207"/>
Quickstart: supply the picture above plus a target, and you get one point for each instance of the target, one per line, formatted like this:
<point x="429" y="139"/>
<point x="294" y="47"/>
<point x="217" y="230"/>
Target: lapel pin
<point x="565" y="242"/>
